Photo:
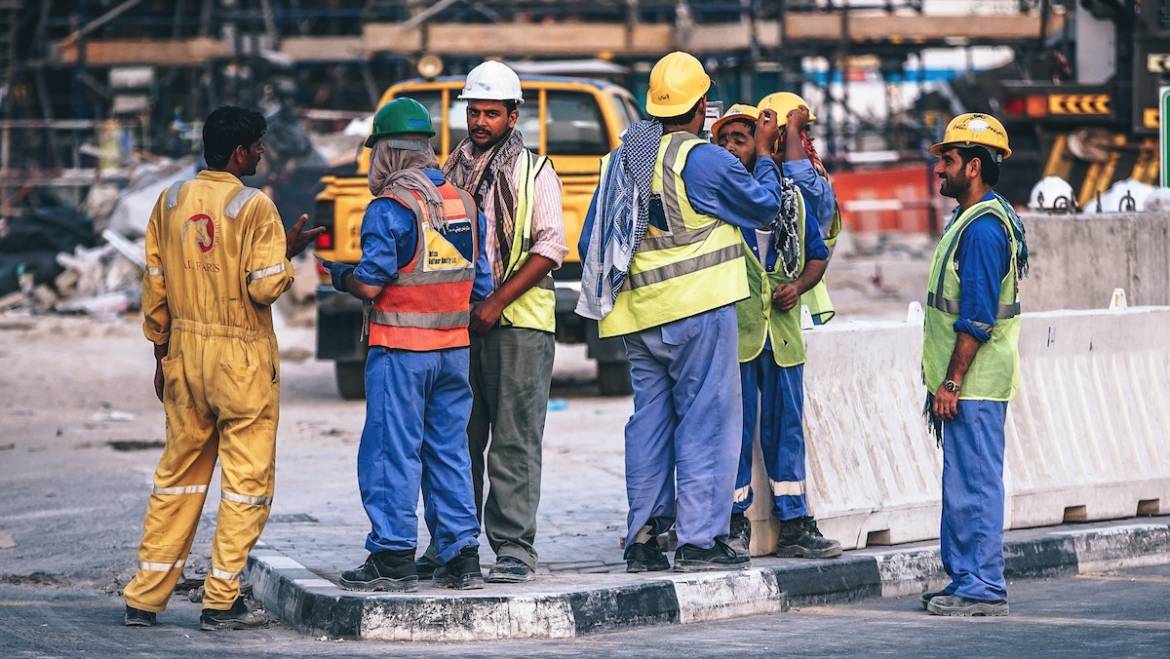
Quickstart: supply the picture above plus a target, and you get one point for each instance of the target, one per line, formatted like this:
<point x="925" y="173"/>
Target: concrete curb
<point x="311" y="604"/>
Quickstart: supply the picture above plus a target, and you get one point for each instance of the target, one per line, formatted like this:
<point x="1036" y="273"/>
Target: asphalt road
<point x="1126" y="614"/>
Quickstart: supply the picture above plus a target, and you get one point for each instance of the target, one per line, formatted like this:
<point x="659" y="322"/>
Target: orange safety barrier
<point x="889" y="199"/>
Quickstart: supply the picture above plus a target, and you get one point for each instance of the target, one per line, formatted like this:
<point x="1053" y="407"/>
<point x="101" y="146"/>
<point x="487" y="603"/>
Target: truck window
<point x="433" y="102"/>
<point x="528" y="124"/>
<point x="575" y="125"/>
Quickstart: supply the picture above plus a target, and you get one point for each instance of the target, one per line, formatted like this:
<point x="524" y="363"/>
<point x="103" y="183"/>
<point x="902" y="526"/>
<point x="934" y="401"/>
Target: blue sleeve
<point x="983" y="261"/>
<point x="817" y="191"/>
<point x="483" y="285"/>
<point x="718" y="185"/>
<point x="388" y="242"/>
<point x="587" y="228"/>
<point x="815" y="248"/>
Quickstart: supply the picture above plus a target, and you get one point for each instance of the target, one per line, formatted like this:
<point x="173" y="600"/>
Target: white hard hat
<point x="1050" y="192"/>
<point x="492" y="81"/>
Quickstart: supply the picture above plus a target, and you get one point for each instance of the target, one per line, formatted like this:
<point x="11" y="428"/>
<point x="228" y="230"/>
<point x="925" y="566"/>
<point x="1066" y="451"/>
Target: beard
<point x="953" y="188"/>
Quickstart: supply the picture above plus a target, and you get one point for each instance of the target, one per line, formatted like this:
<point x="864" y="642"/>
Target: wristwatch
<point x="951" y="386"/>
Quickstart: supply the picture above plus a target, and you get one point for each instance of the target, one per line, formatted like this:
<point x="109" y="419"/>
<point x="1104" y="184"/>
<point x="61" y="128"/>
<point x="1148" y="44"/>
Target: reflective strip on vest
<point x="447" y="320"/>
<point x="237" y="203"/>
<point x="150" y="566"/>
<point x="173" y="193"/>
<point x="436" y="277"/>
<point x="952" y="307"/>
<point x="224" y="574"/>
<point x="742" y="493"/>
<point x="180" y="489"/>
<point x="154" y="272"/>
<point x="787" y="488"/>
<point x="243" y="498"/>
<point x="265" y="272"/>
<point x="686" y="266"/>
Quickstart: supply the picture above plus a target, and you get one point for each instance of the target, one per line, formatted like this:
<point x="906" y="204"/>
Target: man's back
<point x="216" y="256"/>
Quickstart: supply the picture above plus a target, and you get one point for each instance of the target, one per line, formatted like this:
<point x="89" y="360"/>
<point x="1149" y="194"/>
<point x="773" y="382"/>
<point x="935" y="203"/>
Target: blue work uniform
<point x="417" y="406"/>
<point x="687" y="421"/>
<point x="773" y="397"/>
<point x="971" y="534"/>
<point x="818" y="192"/>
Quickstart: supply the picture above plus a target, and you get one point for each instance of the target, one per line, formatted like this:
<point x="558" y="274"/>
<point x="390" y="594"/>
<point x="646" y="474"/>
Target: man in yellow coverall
<point x="217" y="257"/>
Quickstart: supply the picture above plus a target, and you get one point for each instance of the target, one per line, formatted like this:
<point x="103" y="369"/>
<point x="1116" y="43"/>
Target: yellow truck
<point x="574" y="121"/>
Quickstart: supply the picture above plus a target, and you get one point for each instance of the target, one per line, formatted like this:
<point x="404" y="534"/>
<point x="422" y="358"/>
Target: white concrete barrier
<point x="1086" y="436"/>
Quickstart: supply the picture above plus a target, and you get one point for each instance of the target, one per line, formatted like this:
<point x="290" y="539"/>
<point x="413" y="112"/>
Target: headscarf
<point x="396" y="169"/>
<point x="487" y="175"/>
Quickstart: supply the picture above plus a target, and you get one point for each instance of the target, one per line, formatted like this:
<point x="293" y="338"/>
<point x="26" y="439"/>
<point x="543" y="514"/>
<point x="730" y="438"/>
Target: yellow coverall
<point x="215" y="255"/>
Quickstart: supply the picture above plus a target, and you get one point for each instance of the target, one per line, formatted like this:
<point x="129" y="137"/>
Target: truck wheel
<point x="351" y="379"/>
<point x="613" y="378"/>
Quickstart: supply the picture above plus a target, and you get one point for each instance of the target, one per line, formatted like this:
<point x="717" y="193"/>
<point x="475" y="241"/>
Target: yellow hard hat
<point x="738" y="111"/>
<point x="783" y="103"/>
<point x="972" y="129"/>
<point x="677" y="82"/>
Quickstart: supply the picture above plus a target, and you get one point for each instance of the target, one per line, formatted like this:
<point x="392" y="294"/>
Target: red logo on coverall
<point x="204" y="231"/>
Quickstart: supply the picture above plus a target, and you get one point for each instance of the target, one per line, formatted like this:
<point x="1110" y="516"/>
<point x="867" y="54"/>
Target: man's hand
<point x="785" y="296"/>
<point x="797" y="121"/>
<point x="159" y="380"/>
<point x="485" y="315"/>
<point x="767" y="133"/>
<point x="296" y="239"/>
<point x="946" y="404"/>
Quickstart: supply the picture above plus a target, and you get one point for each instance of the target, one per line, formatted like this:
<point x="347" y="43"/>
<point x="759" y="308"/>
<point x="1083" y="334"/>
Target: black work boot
<point x="425" y="566"/>
<point x="800" y="538"/>
<point x="237" y="617"/>
<point x="461" y="572"/>
<point x="740" y="537"/>
<point x="927" y="596"/>
<point x="646" y="557"/>
<point x="509" y="570"/>
<point x="138" y="617"/>
<point x="384" y="570"/>
<point x="689" y="558"/>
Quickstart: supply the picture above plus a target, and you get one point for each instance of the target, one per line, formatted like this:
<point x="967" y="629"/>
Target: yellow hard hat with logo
<point x="783" y="103"/>
<point x="975" y="129"/>
<point x="741" y="111"/>
<point x="677" y="82"/>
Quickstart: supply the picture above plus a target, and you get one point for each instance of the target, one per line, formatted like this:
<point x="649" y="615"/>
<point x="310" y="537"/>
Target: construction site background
<point x="100" y="105"/>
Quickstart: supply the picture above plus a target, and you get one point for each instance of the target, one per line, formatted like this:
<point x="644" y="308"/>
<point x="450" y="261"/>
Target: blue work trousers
<point x="773" y="397"/>
<point x="417" y="406"/>
<point x="971" y="536"/>
<point x="686" y="426"/>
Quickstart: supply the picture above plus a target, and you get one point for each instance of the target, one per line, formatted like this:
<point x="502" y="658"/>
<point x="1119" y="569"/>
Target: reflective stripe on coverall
<point x="215" y="253"/>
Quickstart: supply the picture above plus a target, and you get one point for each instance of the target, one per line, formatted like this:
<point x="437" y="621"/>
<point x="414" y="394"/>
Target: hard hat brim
<point x="723" y="121"/>
<point x="373" y="139"/>
<point x="518" y="101"/>
<point x="937" y="148"/>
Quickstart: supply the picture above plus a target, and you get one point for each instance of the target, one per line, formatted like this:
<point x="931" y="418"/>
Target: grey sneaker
<point x="237" y="617"/>
<point x="509" y="570"/>
<point x="953" y="605"/>
<point x="740" y="537"/>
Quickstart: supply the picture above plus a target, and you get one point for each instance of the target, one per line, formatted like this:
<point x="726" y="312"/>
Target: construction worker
<point x="663" y="266"/>
<point x="971" y="361"/>
<point x="423" y="264"/>
<point x="217" y="257"/>
<point x="810" y="176"/>
<point x="783" y="262"/>
<point x="512" y="343"/>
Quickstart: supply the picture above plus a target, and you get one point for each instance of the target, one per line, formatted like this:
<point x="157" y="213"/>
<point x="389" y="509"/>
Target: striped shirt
<point x="548" y="222"/>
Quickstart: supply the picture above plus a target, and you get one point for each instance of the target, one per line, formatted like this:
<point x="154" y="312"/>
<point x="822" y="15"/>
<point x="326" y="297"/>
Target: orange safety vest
<point x="428" y="307"/>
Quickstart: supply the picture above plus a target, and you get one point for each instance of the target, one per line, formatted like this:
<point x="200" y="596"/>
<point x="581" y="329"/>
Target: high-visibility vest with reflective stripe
<point x="820" y="305"/>
<point x="759" y="319"/>
<point x="695" y="265"/>
<point x="428" y="306"/>
<point x="537" y="307"/>
<point x="995" y="372"/>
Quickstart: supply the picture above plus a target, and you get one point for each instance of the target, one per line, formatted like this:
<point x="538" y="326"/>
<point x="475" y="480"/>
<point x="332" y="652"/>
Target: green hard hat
<point x="402" y="115"/>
